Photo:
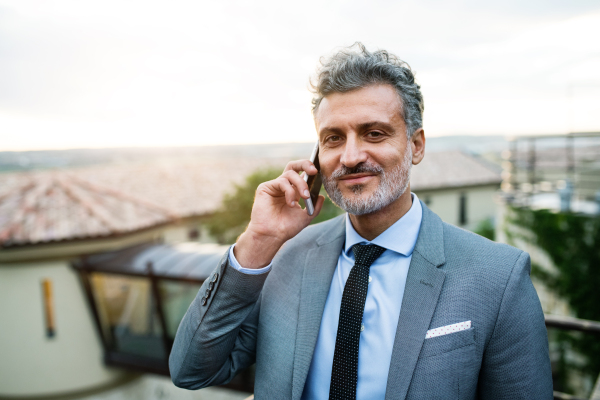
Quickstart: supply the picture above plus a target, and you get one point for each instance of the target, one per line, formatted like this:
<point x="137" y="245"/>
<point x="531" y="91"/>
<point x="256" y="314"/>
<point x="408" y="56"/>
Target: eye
<point x="333" y="138"/>
<point x="375" y="134"/>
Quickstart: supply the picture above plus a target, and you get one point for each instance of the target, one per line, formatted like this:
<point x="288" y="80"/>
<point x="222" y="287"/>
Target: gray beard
<point x="392" y="185"/>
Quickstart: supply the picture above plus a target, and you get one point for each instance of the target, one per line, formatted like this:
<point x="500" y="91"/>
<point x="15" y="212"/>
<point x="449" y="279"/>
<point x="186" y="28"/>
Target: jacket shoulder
<point x="465" y="248"/>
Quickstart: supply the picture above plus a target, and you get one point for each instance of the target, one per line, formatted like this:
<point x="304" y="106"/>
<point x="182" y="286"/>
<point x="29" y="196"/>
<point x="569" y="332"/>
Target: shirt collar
<point x="401" y="237"/>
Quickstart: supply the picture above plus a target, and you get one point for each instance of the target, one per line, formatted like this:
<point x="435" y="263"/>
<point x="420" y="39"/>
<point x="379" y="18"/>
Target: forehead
<point x="372" y="103"/>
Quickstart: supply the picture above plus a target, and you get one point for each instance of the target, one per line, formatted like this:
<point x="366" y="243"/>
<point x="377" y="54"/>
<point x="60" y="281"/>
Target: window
<point x="139" y="295"/>
<point x="194" y="234"/>
<point x="462" y="209"/>
<point x="128" y="315"/>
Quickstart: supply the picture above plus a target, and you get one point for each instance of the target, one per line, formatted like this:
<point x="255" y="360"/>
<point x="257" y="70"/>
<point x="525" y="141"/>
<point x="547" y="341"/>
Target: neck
<point x="372" y="225"/>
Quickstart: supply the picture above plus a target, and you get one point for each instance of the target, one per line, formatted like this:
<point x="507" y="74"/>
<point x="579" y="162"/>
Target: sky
<point x="93" y="74"/>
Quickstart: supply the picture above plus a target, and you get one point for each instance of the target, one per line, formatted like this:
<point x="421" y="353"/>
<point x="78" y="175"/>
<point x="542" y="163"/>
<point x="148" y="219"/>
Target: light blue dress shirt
<point x="387" y="279"/>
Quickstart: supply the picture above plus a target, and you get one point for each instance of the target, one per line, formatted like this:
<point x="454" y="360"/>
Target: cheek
<point x="328" y="163"/>
<point x="392" y="156"/>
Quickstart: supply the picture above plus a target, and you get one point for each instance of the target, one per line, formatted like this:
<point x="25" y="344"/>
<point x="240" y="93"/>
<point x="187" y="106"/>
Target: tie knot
<point x="366" y="254"/>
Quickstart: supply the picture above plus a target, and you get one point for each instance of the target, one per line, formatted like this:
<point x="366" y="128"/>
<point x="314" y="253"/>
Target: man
<point x="386" y="302"/>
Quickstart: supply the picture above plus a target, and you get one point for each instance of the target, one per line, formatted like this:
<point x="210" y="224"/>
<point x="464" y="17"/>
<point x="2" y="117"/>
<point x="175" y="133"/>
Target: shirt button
<point x="362" y="327"/>
<point x="370" y="278"/>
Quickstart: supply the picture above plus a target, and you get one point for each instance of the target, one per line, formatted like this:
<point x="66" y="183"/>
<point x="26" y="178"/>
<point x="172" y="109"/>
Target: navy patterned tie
<point x="344" y="374"/>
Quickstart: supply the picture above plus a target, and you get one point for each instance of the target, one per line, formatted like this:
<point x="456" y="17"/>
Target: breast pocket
<point x="446" y="343"/>
<point x="446" y="367"/>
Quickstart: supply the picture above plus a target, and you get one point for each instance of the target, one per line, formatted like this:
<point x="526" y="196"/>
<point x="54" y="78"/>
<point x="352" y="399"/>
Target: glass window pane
<point x="176" y="298"/>
<point x="128" y="314"/>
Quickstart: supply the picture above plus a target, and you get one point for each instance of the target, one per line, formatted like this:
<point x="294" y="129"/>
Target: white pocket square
<point x="445" y="330"/>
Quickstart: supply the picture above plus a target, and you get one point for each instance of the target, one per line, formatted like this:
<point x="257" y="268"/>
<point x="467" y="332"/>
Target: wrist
<point x="253" y="250"/>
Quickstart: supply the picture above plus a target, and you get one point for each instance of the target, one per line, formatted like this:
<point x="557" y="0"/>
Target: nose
<point x="353" y="153"/>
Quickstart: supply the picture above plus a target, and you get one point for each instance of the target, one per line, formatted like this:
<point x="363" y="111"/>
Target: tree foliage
<point x="231" y="219"/>
<point x="572" y="242"/>
<point x="486" y="229"/>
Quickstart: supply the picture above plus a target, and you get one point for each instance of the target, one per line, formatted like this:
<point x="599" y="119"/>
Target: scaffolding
<point x="560" y="172"/>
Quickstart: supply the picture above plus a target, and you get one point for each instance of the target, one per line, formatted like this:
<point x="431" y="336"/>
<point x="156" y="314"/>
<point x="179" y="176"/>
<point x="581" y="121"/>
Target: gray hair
<point x="355" y="67"/>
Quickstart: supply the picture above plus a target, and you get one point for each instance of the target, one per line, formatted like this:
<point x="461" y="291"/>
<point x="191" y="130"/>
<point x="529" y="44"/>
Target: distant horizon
<point x="14" y="161"/>
<point x="490" y="147"/>
<point x="174" y="146"/>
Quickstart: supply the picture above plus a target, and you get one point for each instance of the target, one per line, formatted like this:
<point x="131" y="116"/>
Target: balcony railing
<point x="579" y="325"/>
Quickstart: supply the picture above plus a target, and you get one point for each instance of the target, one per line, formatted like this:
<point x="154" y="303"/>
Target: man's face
<point x="364" y="154"/>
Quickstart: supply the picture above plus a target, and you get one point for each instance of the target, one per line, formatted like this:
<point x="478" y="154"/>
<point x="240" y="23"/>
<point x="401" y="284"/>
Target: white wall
<point x="443" y="202"/>
<point x="179" y="233"/>
<point x="33" y="364"/>
<point x="481" y="205"/>
<point x="446" y="203"/>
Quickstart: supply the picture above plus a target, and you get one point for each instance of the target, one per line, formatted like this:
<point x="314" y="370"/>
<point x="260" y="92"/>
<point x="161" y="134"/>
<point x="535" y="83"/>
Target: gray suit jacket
<point x="454" y="276"/>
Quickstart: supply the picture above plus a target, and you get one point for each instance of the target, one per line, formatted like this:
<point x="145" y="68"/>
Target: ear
<point x="417" y="143"/>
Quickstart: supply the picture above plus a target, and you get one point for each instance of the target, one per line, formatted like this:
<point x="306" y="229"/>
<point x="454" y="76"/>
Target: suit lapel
<point x="318" y="273"/>
<point x="423" y="285"/>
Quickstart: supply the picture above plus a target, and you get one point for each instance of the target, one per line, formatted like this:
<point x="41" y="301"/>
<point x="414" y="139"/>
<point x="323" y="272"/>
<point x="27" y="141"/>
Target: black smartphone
<point x="314" y="182"/>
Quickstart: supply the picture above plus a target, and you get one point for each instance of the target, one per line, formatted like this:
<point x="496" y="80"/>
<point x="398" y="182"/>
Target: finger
<point x="300" y="166"/>
<point x="298" y="182"/>
<point x="284" y="186"/>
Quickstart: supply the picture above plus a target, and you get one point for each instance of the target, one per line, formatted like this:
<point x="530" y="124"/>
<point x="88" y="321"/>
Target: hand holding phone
<point x="277" y="215"/>
<point x="314" y="182"/>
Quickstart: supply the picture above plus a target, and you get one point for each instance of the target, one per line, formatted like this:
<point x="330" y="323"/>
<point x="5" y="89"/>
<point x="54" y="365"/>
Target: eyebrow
<point x="367" y="125"/>
<point x="361" y="127"/>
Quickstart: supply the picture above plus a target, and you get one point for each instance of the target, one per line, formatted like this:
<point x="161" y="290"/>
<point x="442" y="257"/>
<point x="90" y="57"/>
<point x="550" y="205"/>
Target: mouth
<point x="357" y="179"/>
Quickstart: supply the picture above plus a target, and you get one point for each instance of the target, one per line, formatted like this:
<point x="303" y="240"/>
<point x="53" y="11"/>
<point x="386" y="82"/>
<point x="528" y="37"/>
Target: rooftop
<point x="100" y="201"/>
<point x="452" y="169"/>
<point x="49" y="207"/>
<point x="96" y="202"/>
<point x="184" y="261"/>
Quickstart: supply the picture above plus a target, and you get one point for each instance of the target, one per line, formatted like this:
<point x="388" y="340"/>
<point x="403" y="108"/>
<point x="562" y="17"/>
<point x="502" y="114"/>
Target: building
<point x="48" y="343"/>
<point x="49" y="339"/>
<point x="459" y="187"/>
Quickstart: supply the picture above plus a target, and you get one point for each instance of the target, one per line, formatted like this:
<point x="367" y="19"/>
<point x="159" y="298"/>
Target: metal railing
<point x="572" y="324"/>
<point x="580" y="325"/>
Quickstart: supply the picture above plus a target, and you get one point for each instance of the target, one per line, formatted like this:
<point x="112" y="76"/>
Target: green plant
<point x="231" y="219"/>
<point x="486" y="229"/>
<point x="572" y="241"/>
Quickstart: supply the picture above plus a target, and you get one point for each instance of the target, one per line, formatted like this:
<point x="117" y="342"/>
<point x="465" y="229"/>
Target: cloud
<point x="117" y="73"/>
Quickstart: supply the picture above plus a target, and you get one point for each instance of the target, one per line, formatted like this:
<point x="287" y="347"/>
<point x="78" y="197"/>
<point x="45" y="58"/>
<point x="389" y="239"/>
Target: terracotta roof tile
<point x="450" y="169"/>
<point x="42" y="207"/>
<point x="46" y="207"/>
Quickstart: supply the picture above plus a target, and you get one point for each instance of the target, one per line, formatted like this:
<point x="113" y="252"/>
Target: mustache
<point x="363" y="167"/>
